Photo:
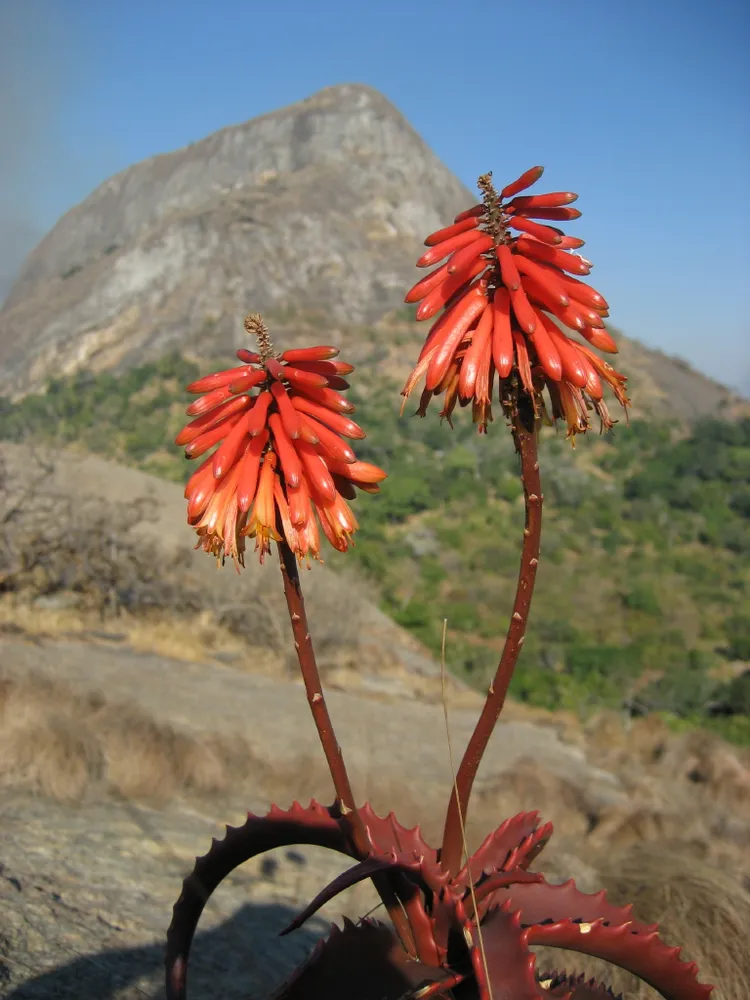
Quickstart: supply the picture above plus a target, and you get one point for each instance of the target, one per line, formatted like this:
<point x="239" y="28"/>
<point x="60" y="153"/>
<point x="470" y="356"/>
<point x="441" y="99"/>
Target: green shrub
<point x="737" y="632"/>
<point x="641" y="597"/>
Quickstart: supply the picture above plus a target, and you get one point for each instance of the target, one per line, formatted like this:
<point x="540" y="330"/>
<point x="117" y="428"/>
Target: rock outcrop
<point x="316" y="207"/>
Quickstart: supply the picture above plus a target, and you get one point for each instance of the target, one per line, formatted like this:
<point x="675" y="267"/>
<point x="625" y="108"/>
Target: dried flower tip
<point x="257" y="328"/>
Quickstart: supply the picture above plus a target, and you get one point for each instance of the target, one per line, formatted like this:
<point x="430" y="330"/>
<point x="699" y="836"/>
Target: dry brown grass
<point x="700" y="908"/>
<point x="69" y="746"/>
<point x="689" y="793"/>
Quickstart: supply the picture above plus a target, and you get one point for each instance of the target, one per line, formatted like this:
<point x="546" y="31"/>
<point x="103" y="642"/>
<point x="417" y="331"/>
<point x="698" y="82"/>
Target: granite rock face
<point x="318" y="206"/>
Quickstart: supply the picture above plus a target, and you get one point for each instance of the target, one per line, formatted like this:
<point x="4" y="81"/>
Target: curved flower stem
<point x="524" y="437"/>
<point x="335" y="759"/>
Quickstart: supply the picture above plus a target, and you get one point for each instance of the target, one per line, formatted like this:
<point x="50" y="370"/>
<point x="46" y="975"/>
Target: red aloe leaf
<point x="529" y="848"/>
<point x="541" y="903"/>
<point x="422" y="925"/>
<point x="510" y="964"/>
<point x="561" y="986"/>
<point x="495" y="850"/>
<point x="363" y="960"/>
<point x="443" y="904"/>
<point x="439" y="989"/>
<point x="645" y="955"/>
<point x="387" y="835"/>
<point x="483" y="891"/>
<point x="358" y="873"/>
<point x="406" y="846"/>
<point x="315" y="825"/>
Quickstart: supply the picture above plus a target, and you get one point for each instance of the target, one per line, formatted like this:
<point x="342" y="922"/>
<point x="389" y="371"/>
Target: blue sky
<point x="639" y="106"/>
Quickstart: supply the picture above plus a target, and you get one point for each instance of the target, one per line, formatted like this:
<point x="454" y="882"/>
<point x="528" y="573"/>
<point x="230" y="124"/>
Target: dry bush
<point x="698" y="907"/>
<point x="258" y="615"/>
<point x="53" y="542"/>
<point x="698" y="757"/>
<point x="67" y="746"/>
<point x="336" y="607"/>
<point x="691" y="791"/>
<point x="95" y="552"/>
<point x="529" y="785"/>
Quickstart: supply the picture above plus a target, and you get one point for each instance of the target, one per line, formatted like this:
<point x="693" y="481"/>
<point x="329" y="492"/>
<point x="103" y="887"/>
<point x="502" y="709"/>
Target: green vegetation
<point x="133" y="417"/>
<point x="642" y="592"/>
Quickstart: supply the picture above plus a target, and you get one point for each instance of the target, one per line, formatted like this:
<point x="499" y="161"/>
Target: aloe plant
<point x="459" y="927"/>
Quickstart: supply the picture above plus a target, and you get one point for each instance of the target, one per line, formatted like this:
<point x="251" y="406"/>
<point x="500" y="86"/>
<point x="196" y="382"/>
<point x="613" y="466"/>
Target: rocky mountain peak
<point x="320" y="205"/>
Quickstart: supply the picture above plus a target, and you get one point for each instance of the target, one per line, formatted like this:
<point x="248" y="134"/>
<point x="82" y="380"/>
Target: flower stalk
<point x="385" y="884"/>
<point x="525" y="438"/>
<point x="311" y="678"/>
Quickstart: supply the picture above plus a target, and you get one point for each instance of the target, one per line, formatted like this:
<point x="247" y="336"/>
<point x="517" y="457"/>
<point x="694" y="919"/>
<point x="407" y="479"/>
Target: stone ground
<point x="86" y="895"/>
<point x="86" y="890"/>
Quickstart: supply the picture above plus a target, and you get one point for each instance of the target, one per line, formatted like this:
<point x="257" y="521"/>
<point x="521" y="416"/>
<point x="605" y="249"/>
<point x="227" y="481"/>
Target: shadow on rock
<point x="240" y="959"/>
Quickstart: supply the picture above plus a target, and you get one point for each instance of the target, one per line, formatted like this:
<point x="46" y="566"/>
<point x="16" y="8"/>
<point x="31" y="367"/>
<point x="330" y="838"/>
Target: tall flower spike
<point x="505" y="286"/>
<point x="504" y="297"/>
<point x="281" y="464"/>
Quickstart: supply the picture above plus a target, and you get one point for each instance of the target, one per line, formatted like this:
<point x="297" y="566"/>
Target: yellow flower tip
<point x="218" y="527"/>
<point x="338" y="523"/>
<point x="481" y="414"/>
<point x="263" y="543"/>
<point x="261" y="524"/>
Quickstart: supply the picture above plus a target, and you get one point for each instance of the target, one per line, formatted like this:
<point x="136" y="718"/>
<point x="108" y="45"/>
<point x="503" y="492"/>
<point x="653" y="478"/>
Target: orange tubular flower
<point x="279" y="422"/>
<point x="503" y="298"/>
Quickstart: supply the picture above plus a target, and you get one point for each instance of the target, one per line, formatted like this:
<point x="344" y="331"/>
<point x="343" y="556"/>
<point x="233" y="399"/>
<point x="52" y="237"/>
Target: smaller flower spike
<point x="281" y="467"/>
<point x="505" y="298"/>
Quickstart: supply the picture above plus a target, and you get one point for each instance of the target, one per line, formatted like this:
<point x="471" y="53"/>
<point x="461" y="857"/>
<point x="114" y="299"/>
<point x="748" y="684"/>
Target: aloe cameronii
<point x="460" y="927"/>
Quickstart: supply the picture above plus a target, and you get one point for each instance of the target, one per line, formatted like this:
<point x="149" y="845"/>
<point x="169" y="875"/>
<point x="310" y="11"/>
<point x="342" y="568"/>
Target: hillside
<point x="118" y="767"/>
<point x="146" y="696"/>
<point x="90" y="546"/>
<point x="642" y="591"/>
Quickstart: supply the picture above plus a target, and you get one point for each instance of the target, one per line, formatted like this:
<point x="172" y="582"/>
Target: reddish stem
<point x="525" y="440"/>
<point x="311" y="677"/>
<point x="335" y="759"/>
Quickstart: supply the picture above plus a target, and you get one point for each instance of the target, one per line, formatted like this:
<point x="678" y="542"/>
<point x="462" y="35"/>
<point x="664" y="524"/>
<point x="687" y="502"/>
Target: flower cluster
<point x="501" y="294"/>
<point x="282" y="465"/>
